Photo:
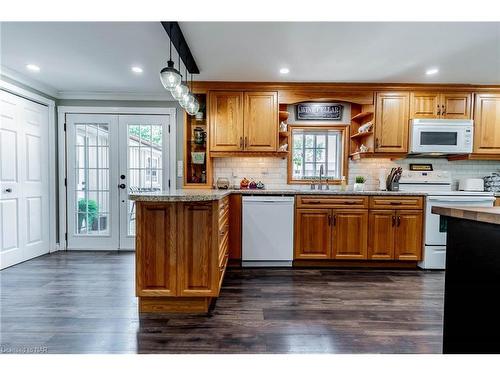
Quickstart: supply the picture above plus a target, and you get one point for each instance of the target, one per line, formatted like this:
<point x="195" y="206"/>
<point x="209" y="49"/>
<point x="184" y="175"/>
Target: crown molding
<point x="28" y="81"/>
<point x="108" y="95"/>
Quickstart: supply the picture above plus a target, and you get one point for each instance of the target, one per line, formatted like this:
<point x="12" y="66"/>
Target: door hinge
<point x="168" y="183"/>
<point x="65" y="236"/>
<point x="65" y="182"/>
<point x="169" y="128"/>
<point x="64" y="126"/>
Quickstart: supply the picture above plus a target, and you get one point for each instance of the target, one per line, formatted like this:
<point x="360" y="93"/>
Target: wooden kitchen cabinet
<point x="451" y="105"/>
<point x="408" y="235"/>
<point x="260" y="121"/>
<point x="487" y="124"/>
<point x="381" y="235"/>
<point x="226" y="120"/>
<point x="156" y="270"/>
<point x="197" y="260"/>
<point x="391" y="122"/>
<point x="313" y="233"/>
<point x="243" y="121"/>
<point x="395" y="235"/>
<point x="350" y="234"/>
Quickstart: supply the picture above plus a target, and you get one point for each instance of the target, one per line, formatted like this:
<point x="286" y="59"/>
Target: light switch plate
<point x="180" y="168"/>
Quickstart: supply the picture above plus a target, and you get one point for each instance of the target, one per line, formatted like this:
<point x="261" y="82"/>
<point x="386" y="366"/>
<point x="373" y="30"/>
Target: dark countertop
<point x="199" y="195"/>
<point x="482" y="214"/>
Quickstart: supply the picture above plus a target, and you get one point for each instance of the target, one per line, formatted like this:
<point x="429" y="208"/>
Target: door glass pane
<point x="144" y="163"/>
<point x="91" y="173"/>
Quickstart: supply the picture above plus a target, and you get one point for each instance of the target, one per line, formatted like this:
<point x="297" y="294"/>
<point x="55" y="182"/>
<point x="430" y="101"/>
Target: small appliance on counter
<point x="471" y="184"/>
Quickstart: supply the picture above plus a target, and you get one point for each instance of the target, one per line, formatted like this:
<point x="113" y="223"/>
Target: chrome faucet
<point x="321" y="173"/>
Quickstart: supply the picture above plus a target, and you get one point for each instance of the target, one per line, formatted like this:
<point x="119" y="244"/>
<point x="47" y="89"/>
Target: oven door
<point x="435" y="225"/>
<point x="441" y="139"/>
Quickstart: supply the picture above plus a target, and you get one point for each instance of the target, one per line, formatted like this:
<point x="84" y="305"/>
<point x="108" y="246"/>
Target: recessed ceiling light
<point x="284" y="70"/>
<point x="431" y="71"/>
<point x="33" y="67"/>
<point x="136" y="69"/>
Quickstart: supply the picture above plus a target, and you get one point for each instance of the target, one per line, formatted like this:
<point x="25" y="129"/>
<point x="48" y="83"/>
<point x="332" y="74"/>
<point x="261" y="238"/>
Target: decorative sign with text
<point x="319" y="111"/>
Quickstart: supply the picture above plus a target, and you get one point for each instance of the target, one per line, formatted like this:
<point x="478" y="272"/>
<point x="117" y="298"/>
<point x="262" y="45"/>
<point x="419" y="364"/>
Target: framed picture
<point x="319" y="111"/>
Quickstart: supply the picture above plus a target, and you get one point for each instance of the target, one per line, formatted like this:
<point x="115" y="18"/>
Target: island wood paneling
<point x="198" y="262"/>
<point x="235" y="227"/>
<point x="156" y="271"/>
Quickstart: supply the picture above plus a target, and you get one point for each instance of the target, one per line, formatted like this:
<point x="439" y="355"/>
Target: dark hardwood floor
<point x="83" y="302"/>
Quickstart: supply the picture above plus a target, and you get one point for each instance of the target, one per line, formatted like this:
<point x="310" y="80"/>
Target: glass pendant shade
<point x="179" y="91"/>
<point x="186" y="99"/>
<point x="193" y="107"/>
<point x="170" y="77"/>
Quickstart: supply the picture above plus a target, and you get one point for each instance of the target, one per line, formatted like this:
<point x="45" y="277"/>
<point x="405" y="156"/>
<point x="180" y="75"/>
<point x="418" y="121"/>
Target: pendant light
<point x="187" y="97"/>
<point x="193" y="106"/>
<point x="169" y="76"/>
<point x="181" y="89"/>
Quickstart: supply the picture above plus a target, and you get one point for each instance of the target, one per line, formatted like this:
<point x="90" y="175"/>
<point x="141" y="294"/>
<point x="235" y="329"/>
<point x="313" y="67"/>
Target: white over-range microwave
<point x="441" y="137"/>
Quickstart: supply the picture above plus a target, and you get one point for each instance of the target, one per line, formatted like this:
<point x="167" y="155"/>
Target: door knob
<point x="8" y="190"/>
<point x="122" y="186"/>
<point x="122" y="177"/>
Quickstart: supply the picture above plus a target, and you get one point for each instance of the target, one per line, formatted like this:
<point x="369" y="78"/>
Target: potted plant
<point x="359" y="185"/>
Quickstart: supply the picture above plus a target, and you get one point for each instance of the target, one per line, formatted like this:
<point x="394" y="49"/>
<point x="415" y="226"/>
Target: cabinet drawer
<point x="398" y="202"/>
<point x="332" y="201"/>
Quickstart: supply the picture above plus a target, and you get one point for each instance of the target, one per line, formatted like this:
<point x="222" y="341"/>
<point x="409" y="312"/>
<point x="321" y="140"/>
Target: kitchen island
<point x="184" y="237"/>
<point x="472" y="280"/>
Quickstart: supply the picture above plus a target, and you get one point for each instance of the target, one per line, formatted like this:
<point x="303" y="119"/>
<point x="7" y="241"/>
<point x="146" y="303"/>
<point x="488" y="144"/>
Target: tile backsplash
<point x="273" y="171"/>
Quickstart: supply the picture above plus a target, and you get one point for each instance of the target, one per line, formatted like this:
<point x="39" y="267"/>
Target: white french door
<point x="24" y="179"/>
<point x="109" y="156"/>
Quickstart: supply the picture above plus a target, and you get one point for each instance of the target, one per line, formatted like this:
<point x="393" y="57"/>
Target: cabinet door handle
<point x="396" y="203"/>
<point x="443" y="110"/>
<point x="241" y="142"/>
<point x="350" y="202"/>
<point x="393" y="220"/>
<point x="399" y="220"/>
<point x="329" y="220"/>
<point x="334" y="220"/>
<point x="246" y="142"/>
<point x="376" y="143"/>
<point x="314" y="202"/>
<point x="439" y="110"/>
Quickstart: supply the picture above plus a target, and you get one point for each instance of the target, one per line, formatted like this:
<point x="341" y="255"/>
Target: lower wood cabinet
<point x="350" y="234"/>
<point x="331" y="234"/>
<point x="378" y="233"/>
<point x="395" y="235"/>
<point x="313" y="233"/>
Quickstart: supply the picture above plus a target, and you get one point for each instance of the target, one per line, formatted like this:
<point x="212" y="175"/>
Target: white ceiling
<point x="96" y="57"/>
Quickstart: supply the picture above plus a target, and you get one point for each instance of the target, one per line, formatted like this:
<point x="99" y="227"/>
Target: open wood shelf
<point x="362" y="115"/>
<point x="361" y="135"/>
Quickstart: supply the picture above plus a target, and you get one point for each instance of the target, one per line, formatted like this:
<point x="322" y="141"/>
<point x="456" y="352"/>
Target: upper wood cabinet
<point x="487" y="124"/>
<point x="391" y="122"/>
<point x="226" y="120"/>
<point x="243" y="121"/>
<point x="452" y="105"/>
<point x="261" y="121"/>
<point x="350" y="234"/>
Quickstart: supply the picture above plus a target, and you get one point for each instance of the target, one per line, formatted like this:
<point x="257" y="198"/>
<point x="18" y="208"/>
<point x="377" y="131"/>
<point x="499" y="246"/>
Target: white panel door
<point x="24" y="179"/>
<point x="92" y="181"/>
<point x="144" y="165"/>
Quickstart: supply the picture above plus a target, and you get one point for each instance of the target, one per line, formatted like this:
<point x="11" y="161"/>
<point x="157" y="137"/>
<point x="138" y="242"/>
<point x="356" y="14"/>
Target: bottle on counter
<point x="343" y="184"/>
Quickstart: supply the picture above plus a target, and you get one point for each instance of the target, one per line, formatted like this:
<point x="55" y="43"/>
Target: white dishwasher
<point x="267" y="231"/>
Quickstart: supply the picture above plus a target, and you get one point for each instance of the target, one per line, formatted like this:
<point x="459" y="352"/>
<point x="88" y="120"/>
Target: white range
<point x="438" y="187"/>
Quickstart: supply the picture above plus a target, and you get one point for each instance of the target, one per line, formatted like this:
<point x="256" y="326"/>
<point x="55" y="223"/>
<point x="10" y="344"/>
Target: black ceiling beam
<point x="175" y="34"/>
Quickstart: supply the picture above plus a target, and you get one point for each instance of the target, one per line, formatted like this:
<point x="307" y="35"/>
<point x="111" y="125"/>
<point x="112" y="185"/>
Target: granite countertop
<point x="199" y="195"/>
<point x="483" y="214"/>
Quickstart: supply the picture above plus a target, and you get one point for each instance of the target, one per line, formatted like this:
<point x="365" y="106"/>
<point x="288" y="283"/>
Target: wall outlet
<point x="180" y="168"/>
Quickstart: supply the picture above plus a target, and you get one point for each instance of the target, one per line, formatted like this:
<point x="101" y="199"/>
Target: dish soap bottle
<point x="343" y="184"/>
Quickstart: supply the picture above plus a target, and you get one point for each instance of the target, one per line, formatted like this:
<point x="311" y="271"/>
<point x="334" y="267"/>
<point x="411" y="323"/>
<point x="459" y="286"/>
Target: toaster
<point x="471" y="184"/>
